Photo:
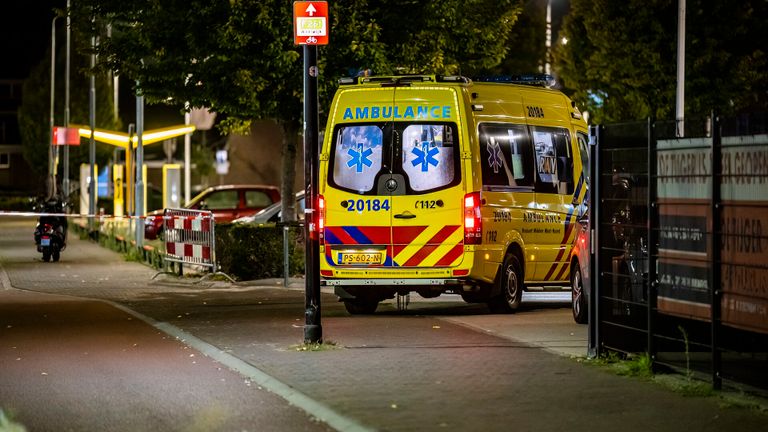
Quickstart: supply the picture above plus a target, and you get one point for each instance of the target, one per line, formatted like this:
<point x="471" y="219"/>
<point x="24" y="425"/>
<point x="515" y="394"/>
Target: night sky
<point x="25" y="34"/>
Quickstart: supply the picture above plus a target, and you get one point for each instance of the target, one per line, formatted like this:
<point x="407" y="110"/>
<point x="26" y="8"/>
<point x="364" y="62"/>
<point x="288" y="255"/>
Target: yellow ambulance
<point x="436" y="184"/>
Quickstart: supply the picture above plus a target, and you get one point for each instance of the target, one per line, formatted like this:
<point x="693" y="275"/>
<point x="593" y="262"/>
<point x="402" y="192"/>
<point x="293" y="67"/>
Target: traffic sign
<point x="310" y="23"/>
<point x="65" y="136"/>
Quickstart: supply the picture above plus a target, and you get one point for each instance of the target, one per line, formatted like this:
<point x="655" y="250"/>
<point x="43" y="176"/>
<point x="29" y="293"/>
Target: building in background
<point x="14" y="170"/>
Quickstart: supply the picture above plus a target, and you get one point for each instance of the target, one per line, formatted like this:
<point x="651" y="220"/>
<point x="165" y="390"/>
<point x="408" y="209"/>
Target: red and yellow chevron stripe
<point x="407" y="246"/>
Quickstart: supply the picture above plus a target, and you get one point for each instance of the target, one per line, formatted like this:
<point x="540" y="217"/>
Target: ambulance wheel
<point x="578" y="296"/>
<point x="361" y="306"/>
<point x="511" y="285"/>
<point x="46" y="256"/>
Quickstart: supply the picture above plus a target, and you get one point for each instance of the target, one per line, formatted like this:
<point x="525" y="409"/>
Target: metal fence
<point x="190" y="237"/>
<point x="681" y="230"/>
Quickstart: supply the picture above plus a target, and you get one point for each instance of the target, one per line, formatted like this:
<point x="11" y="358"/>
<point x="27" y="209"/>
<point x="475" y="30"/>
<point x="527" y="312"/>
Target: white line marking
<point x="312" y="407"/>
<point x="294" y="397"/>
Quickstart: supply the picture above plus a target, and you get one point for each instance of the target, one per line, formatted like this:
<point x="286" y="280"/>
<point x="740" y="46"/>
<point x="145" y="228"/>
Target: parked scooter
<point x="51" y="231"/>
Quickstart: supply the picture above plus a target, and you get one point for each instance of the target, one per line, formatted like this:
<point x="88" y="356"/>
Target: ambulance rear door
<point x="358" y="233"/>
<point x="393" y="191"/>
<point x="426" y="185"/>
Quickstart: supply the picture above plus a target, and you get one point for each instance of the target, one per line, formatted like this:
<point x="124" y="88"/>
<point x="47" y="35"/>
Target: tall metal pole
<point x="115" y="85"/>
<point x="51" y="156"/>
<point x="715" y="239"/>
<point x="680" y="100"/>
<point x="65" y="161"/>
<point x="92" y="147"/>
<point x="129" y="178"/>
<point x="548" y="41"/>
<point x="653" y="239"/>
<point x="139" y="201"/>
<point x="187" y="159"/>
<point x="313" y="330"/>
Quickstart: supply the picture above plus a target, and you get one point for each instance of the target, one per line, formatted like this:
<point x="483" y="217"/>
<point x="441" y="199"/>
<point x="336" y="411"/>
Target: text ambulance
<point x="443" y="184"/>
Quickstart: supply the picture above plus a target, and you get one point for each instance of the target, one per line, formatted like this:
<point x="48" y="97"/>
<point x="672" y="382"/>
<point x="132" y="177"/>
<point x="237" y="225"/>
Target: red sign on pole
<point x="65" y="136"/>
<point x="310" y="23"/>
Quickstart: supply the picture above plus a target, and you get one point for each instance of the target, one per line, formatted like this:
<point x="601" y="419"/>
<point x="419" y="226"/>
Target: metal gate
<point x="190" y="237"/>
<point x="681" y="262"/>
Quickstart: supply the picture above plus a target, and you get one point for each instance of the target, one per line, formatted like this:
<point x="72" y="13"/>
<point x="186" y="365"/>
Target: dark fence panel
<point x="621" y="256"/>
<point x="682" y="253"/>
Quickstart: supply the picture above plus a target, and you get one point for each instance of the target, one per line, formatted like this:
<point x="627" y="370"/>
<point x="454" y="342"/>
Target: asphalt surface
<point x="94" y="343"/>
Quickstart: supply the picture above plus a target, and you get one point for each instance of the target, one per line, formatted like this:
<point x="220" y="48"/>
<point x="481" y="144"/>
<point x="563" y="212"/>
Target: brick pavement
<point x="395" y="371"/>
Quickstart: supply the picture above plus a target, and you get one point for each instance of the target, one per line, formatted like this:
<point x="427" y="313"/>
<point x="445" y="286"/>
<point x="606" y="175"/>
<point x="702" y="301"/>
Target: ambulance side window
<point x="554" y="160"/>
<point x="357" y="156"/>
<point x="506" y="156"/>
<point x="429" y="156"/>
<point x="584" y="154"/>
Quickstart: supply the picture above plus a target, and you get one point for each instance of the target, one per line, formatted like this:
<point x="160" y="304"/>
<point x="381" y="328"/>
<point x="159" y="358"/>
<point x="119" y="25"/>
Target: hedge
<point x="244" y="252"/>
<point x="16" y="203"/>
<point x="248" y="252"/>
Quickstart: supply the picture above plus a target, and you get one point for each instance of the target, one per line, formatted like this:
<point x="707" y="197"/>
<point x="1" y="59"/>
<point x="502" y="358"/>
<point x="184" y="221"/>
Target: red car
<point x="227" y="202"/>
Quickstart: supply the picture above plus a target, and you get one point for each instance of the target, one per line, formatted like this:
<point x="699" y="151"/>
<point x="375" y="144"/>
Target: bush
<point x="16" y="203"/>
<point x="248" y="252"/>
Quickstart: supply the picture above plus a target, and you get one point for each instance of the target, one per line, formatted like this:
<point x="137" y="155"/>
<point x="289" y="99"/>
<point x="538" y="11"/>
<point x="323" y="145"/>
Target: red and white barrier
<point x="189" y="237"/>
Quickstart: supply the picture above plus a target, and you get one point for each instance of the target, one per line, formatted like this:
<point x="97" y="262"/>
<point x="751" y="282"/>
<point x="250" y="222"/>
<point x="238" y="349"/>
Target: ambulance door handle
<point x="405" y="215"/>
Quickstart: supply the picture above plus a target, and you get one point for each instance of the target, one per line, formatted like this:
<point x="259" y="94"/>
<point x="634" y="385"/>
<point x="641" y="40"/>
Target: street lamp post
<point x="51" y="154"/>
<point x="92" y="147"/>
<point x="680" y="99"/>
<point x="548" y="41"/>
<point x="65" y="161"/>
<point x="139" y="195"/>
<point x="187" y="158"/>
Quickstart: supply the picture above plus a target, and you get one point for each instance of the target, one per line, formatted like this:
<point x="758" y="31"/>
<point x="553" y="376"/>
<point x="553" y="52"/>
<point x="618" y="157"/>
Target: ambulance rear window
<point x="428" y="155"/>
<point x="506" y="156"/>
<point x="424" y="157"/>
<point x="357" y="157"/>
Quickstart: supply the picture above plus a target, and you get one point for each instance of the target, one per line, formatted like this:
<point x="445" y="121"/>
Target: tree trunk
<point x="290" y="144"/>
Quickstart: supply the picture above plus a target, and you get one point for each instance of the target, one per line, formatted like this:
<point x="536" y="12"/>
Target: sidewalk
<point x="410" y="372"/>
<point x="392" y="371"/>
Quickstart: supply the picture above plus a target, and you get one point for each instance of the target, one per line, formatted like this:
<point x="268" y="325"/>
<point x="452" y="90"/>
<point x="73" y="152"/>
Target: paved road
<point x="437" y="366"/>
<point x="72" y="364"/>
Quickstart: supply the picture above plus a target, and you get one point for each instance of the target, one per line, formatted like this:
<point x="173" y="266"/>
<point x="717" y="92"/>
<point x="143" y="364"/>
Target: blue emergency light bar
<point x="541" y="80"/>
<point x="402" y="79"/>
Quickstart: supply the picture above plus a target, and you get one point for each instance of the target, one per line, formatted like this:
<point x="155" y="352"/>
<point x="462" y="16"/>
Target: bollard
<point x="286" y="257"/>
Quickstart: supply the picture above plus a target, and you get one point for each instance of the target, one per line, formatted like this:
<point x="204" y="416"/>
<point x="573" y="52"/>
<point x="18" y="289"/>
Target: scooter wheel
<point x="46" y="256"/>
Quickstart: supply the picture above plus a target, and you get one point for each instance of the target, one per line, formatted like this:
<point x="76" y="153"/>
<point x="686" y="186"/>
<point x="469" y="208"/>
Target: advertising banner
<point x="684" y="187"/>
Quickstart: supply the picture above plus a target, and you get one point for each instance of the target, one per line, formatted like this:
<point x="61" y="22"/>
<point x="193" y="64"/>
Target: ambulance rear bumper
<point x="391" y="282"/>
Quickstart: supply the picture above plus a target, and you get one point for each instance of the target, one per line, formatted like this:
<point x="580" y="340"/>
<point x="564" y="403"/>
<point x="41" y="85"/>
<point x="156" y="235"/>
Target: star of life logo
<point x="425" y="156"/>
<point x="359" y="158"/>
<point x="494" y="155"/>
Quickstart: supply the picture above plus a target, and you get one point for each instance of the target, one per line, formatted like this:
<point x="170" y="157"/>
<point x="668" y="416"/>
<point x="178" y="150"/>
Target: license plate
<point x="359" y="258"/>
<point x="45" y="241"/>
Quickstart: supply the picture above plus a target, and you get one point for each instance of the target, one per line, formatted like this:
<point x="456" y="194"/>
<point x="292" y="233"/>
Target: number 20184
<point x="367" y="205"/>
<point x="534" y="111"/>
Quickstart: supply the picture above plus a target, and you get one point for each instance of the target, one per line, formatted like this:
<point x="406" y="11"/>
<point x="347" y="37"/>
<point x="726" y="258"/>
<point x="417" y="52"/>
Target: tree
<point x="34" y="112"/>
<point x="237" y="57"/>
<point x="527" y="41"/>
<point x="620" y="62"/>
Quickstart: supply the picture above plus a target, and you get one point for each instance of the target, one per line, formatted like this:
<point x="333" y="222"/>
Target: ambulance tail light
<point x="321" y="219"/>
<point x="473" y="221"/>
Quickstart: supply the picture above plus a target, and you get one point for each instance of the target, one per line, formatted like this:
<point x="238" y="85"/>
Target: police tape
<point x="101" y="216"/>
